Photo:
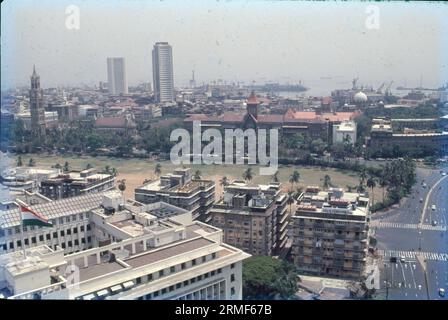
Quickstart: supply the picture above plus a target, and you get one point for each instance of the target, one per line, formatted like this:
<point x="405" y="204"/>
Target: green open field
<point x="136" y="170"/>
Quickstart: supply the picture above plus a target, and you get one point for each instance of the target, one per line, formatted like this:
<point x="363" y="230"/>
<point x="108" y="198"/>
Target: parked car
<point x="441" y="292"/>
<point x="393" y="259"/>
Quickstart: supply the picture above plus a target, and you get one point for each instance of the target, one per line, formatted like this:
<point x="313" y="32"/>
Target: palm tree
<point x="114" y="172"/>
<point x="294" y="178"/>
<point x="66" y="166"/>
<point x="122" y="185"/>
<point x="275" y="176"/>
<point x="247" y="174"/>
<point x="224" y="181"/>
<point x="19" y="161"/>
<point x="107" y="169"/>
<point x="89" y="166"/>
<point x="57" y="166"/>
<point x="383" y="184"/>
<point x="158" y="169"/>
<point x="197" y="174"/>
<point x="31" y="162"/>
<point x="290" y="200"/>
<point x="327" y="181"/>
<point x="371" y="183"/>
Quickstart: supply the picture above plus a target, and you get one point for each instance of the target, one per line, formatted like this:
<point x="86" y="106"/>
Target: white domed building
<point x="360" y="98"/>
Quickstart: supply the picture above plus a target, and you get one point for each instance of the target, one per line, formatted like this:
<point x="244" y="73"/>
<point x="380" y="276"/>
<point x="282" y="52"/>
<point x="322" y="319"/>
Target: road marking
<point x="436" y="256"/>
<point x="429" y="195"/>
<point x="395" y="225"/>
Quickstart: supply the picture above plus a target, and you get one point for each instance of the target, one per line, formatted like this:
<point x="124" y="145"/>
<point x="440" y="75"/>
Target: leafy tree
<point x="247" y="174"/>
<point x="31" y="162"/>
<point x="19" y="161"/>
<point x="371" y="183"/>
<point x="294" y="178"/>
<point x="197" y="174"/>
<point x="224" y="181"/>
<point x="122" y="185"/>
<point x="66" y="167"/>
<point x="89" y="166"/>
<point x="158" y="169"/>
<point x="266" y="277"/>
<point x="57" y="166"/>
<point x="327" y="181"/>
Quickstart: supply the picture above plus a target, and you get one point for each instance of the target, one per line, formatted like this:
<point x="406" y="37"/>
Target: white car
<point x="433" y="207"/>
<point x="402" y="259"/>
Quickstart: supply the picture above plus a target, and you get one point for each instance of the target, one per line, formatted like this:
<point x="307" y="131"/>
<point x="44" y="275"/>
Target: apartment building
<point x="179" y="189"/>
<point x="254" y="218"/>
<point x="330" y="233"/>
<point x="158" y="252"/>
<point x="76" y="183"/>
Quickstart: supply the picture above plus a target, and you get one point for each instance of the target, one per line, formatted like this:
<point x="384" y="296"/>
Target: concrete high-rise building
<point x="116" y="76"/>
<point x="162" y="71"/>
<point x="330" y="233"/>
<point x="37" y="105"/>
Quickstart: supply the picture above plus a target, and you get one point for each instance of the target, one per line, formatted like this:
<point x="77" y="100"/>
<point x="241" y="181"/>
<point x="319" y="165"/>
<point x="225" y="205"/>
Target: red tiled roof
<point x="271" y="118"/>
<point x="111" y="122"/>
<point x="326" y="100"/>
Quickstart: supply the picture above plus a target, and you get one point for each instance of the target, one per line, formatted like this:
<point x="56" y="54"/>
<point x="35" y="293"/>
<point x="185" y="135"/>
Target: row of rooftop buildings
<point x="174" y="241"/>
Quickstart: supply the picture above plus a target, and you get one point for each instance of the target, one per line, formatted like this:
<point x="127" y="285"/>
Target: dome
<point x="360" y="97"/>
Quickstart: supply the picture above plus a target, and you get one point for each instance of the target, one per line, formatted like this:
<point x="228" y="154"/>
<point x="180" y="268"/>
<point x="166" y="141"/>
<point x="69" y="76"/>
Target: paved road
<point x="412" y="229"/>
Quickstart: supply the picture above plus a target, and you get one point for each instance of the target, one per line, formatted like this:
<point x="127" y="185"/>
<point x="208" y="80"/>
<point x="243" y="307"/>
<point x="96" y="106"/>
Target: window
<point x="33" y="240"/>
<point x="67" y="219"/>
<point x="81" y="216"/>
<point x="55" y="235"/>
<point x="76" y="242"/>
<point x="163" y="290"/>
<point x="199" y="278"/>
<point x="19" y="243"/>
<point x="161" y="273"/>
<point x="70" y="244"/>
<point x="69" y="231"/>
<point x="89" y="239"/>
<point x="75" y="230"/>
<point x="83" y="240"/>
<point x="232" y="277"/>
<point x="27" y="242"/>
<point x="148" y="296"/>
<point x="213" y="255"/>
<point x="88" y="227"/>
<point x="63" y="245"/>
<point x="204" y="258"/>
<point x="219" y="270"/>
<point x="61" y="220"/>
<point x="183" y="266"/>
<point x="149" y="277"/>
<point x="11" y="245"/>
<point x="62" y="233"/>
<point x="172" y="269"/>
<point x="138" y="280"/>
<point x="213" y="273"/>
<point x="41" y="237"/>
<point x="17" y="229"/>
<point x="186" y="282"/>
<point x="193" y="280"/>
<point x="74" y="217"/>
<point x="25" y="229"/>
<point x="81" y="228"/>
<point x="232" y="291"/>
<point x="48" y="236"/>
<point x="178" y="285"/>
<point x="156" y="294"/>
<point x="232" y="266"/>
<point x="10" y="232"/>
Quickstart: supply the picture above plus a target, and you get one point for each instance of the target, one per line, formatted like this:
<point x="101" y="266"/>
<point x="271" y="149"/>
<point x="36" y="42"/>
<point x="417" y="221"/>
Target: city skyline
<point x="261" y="51"/>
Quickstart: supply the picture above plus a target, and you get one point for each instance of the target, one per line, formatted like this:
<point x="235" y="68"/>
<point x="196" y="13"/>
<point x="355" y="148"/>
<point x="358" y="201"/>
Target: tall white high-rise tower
<point x="162" y="71"/>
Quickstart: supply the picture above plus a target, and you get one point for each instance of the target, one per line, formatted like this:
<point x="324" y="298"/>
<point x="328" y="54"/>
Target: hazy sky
<point x="229" y="40"/>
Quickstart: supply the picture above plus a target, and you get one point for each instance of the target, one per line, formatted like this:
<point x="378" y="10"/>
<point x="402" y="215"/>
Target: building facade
<point x="162" y="70"/>
<point x="179" y="189"/>
<point x="330" y="233"/>
<point x="116" y="76"/>
<point x="253" y="218"/>
<point x="76" y="183"/>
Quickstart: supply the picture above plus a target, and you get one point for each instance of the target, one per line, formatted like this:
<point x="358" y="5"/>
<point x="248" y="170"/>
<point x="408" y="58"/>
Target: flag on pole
<point x="32" y="218"/>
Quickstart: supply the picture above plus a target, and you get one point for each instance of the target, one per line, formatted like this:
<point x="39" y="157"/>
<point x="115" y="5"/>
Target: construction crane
<point x="354" y="81"/>
<point x="381" y="87"/>
<point x="387" y="91"/>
